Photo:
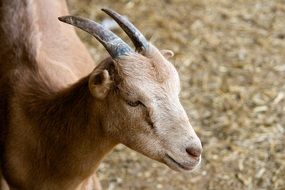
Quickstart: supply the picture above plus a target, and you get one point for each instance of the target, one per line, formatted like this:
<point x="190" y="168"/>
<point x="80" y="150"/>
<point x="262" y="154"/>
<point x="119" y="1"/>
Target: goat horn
<point x="134" y="34"/>
<point x="112" y="43"/>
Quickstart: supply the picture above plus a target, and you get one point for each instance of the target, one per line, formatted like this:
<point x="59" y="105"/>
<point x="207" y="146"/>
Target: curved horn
<point x="112" y="43"/>
<point x="135" y="35"/>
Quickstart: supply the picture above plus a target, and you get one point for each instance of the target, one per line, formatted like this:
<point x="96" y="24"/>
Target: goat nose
<point x="194" y="151"/>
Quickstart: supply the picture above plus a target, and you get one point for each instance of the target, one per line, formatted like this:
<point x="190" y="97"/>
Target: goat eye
<point x="134" y="104"/>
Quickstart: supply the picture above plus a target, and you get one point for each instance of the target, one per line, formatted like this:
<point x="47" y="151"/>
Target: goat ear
<point x="100" y="84"/>
<point x="167" y="53"/>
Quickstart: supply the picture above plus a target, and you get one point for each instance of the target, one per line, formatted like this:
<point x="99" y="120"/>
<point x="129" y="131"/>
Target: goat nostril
<point x="194" y="151"/>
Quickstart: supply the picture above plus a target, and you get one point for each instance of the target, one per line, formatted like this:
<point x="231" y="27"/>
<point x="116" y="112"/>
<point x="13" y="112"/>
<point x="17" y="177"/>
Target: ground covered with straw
<point x="231" y="58"/>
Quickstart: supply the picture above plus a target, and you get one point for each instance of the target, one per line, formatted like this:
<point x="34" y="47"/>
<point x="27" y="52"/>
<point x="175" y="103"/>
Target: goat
<point x="59" y="116"/>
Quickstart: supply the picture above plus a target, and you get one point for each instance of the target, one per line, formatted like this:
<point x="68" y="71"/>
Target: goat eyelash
<point x="134" y="104"/>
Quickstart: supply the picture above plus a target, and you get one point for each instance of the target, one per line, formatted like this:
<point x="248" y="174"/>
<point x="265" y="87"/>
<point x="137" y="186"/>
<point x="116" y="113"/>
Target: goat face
<point x="140" y="96"/>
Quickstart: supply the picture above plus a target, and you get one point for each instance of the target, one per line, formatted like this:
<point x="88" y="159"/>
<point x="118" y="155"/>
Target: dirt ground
<point x="231" y="58"/>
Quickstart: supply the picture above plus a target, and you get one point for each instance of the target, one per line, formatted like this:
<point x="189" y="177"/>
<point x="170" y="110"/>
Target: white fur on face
<point x="154" y="82"/>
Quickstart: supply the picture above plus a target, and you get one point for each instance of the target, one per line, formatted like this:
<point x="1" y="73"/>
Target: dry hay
<point x="231" y="59"/>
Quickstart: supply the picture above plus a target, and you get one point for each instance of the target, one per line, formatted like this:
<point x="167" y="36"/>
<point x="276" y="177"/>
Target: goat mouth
<point x="181" y="166"/>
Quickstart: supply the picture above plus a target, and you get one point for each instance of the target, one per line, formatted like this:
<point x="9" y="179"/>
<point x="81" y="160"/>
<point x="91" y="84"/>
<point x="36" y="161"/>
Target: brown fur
<point x="59" y="118"/>
<point x="27" y="88"/>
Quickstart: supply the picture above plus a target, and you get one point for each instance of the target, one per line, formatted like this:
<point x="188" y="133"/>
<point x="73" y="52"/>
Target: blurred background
<point x="230" y="55"/>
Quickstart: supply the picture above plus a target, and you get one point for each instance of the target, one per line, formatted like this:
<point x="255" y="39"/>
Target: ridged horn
<point x="134" y="34"/>
<point x="112" y="43"/>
